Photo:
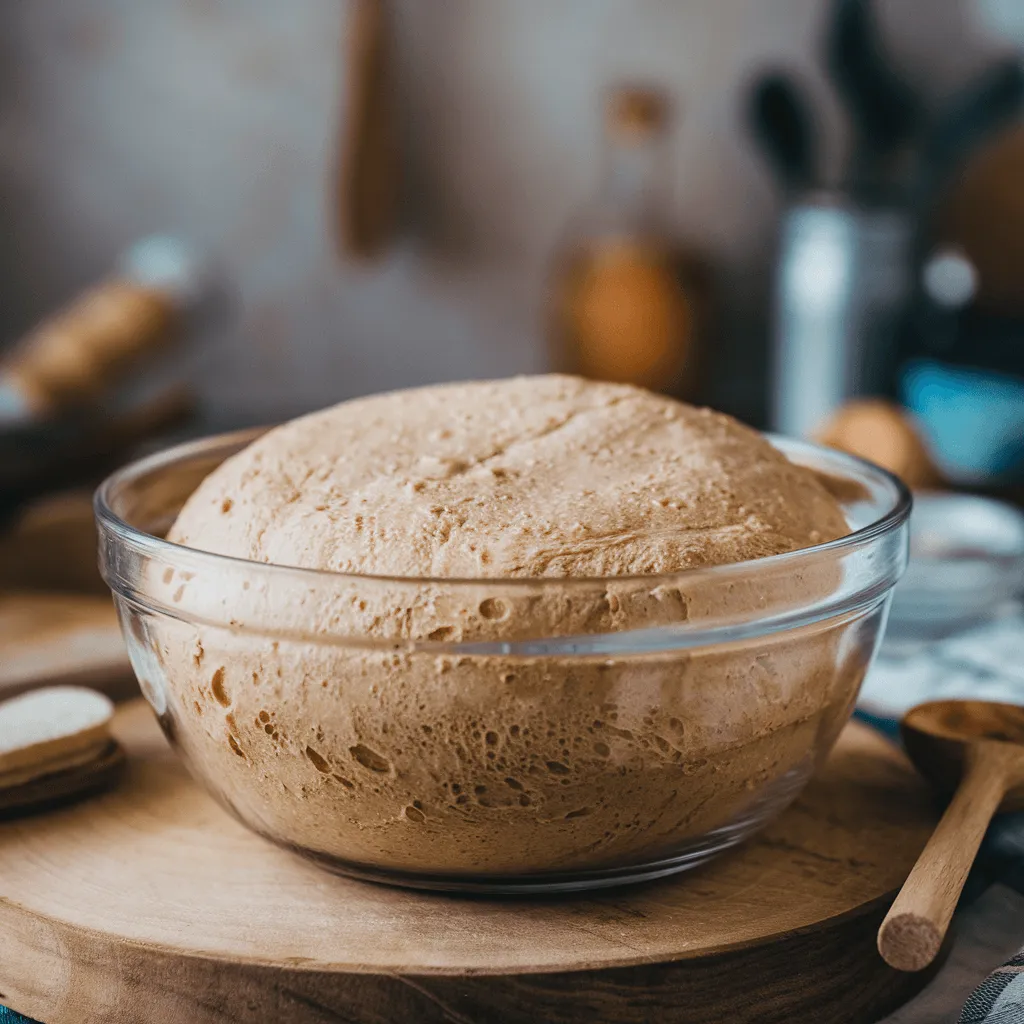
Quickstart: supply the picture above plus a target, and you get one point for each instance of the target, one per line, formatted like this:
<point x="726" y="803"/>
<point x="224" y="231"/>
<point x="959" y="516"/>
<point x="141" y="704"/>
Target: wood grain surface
<point x="54" y="639"/>
<point x="151" y="897"/>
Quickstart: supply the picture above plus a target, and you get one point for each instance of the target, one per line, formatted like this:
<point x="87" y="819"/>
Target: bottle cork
<point x="634" y="111"/>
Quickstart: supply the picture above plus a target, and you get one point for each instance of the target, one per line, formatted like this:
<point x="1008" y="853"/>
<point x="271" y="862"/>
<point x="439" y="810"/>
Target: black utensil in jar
<point x="782" y="123"/>
<point x="884" y="110"/>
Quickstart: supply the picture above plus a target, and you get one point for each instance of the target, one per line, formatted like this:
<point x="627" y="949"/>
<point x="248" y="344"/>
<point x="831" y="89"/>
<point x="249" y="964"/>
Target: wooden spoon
<point x="977" y="749"/>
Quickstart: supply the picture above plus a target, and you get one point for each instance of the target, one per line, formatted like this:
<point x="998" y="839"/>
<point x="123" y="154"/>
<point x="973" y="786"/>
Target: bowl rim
<point x="895" y="515"/>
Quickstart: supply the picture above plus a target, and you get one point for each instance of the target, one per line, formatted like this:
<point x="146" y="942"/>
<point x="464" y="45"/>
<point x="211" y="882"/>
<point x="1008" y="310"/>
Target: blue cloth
<point x="973" y="419"/>
<point x="10" y="1017"/>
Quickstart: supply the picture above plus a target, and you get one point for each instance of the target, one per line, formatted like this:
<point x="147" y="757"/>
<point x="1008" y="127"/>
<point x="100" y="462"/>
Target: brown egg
<point x="883" y="433"/>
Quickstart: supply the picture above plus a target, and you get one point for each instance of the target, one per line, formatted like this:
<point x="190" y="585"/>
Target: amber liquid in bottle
<point x="627" y="302"/>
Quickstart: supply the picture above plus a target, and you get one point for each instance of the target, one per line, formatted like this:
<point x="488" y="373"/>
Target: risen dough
<point x="434" y="760"/>
<point x="535" y="476"/>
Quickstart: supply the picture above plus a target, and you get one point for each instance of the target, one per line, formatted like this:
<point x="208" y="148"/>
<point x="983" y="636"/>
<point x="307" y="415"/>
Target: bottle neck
<point x="634" y="186"/>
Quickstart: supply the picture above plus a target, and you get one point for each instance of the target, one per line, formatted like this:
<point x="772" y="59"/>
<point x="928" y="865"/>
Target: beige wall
<point x="216" y="119"/>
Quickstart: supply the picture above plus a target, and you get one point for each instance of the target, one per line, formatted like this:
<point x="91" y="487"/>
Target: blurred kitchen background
<point x="220" y="121"/>
<point x="216" y="213"/>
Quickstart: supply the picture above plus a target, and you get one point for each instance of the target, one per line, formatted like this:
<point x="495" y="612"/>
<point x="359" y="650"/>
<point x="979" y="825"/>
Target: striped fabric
<point x="1000" y="998"/>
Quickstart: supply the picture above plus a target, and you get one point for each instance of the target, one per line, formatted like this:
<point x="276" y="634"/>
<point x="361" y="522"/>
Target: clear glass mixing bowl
<point x="659" y="721"/>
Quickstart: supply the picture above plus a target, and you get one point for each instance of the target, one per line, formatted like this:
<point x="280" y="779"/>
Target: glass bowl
<point x="660" y="721"/>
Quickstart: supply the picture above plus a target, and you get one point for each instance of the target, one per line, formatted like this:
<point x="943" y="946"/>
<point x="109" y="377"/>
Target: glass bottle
<point x="626" y="301"/>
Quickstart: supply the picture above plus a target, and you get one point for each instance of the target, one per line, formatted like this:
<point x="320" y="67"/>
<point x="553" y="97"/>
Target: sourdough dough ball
<point x="430" y="759"/>
<point x="535" y="476"/>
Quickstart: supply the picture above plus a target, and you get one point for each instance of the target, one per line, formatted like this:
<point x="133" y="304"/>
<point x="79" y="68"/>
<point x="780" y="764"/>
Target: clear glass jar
<point x="522" y="758"/>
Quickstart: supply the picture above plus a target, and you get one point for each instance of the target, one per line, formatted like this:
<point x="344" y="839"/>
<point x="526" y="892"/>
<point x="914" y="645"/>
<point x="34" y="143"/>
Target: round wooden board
<point x="151" y="901"/>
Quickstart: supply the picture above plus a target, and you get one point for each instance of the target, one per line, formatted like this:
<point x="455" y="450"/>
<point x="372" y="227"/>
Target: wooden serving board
<point x="151" y="904"/>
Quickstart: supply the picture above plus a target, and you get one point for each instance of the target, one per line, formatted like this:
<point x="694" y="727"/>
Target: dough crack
<point x="604" y="542"/>
<point x="553" y="428"/>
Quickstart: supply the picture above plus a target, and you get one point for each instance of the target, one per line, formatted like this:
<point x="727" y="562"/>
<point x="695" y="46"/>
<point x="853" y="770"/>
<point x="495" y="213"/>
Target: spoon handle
<point x="914" y="928"/>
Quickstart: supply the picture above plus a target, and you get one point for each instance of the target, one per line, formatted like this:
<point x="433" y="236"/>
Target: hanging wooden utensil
<point x="367" y="187"/>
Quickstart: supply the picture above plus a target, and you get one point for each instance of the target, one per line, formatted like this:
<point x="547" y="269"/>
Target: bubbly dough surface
<point x="493" y="764"/>
<point x="533" y="476"/>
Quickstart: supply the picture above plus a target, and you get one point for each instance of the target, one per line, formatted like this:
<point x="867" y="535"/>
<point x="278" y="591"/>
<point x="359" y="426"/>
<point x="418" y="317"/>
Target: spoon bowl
<point x="937" y="735"/>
